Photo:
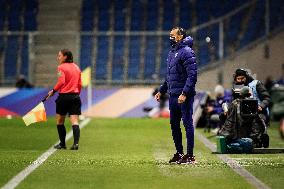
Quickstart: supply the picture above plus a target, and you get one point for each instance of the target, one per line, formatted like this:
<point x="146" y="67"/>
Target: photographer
<point x="242" y="77"/>
<point x="243" y="128"/>
<point x="247" y="115"/>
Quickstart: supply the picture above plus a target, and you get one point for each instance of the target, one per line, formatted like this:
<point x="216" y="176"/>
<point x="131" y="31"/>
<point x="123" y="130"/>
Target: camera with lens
<point x="248" y="104"/>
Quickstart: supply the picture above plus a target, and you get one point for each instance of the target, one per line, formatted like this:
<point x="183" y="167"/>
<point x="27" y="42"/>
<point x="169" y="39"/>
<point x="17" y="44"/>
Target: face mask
<point x="172" y="42"/>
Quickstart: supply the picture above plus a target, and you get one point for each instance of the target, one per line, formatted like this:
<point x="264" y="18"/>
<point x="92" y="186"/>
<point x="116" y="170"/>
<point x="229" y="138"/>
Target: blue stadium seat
<point x="152" y="19"/>
<point x="202" y="34"/>
<point x="14" y="21"/>
<point x="103" y="24"/>
<point x="118" y="58"/>
<point x="219" y="8"/>
<point x="31" y="4"/>
<point x="25" y="56"/>
<point x="2" y="46"/>
<point x="134" y="57"/>
<point x="103" y="4"/>
<point x="136" y="18"/>
<point x="202" y="11"/>
<point x="256" y="26"/>
<point x="119" y="23"/>
<point x="87" y="21"/>
<point x="10" y="62"/>
<point x="2" y="20"/>
<point x="214" y="39"/>
<point x="215" y="8"/>
<point x="150" y="57"/>
<point x="14" y="17"/>
<point x="119" y="15"/>
<point x="31" y="10"/>
<point x="30" y="23"/>
<point x="164" y="54"/>
<point x="152" y="15"/>
<point x="86" y="51"/>
<point x="203" y="55"/>
<point x="276" y="9"/>
<point x="168" y="15"/>
<point x="3" y="13"/>
<point x="102" y="57"/>
<point x="88" y="15"/>
<point x="233" y="30"/>
<point x="88" y="5"/>
<point x="185" y="14"/>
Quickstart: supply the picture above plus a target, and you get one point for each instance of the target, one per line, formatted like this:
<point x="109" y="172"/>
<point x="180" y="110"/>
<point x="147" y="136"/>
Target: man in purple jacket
<point x="180" y="86"/>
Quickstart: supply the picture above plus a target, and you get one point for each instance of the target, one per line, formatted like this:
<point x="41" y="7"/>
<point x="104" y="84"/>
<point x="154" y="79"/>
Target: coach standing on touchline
<point x="68" y="101"/>
<point x="180" y="85"/>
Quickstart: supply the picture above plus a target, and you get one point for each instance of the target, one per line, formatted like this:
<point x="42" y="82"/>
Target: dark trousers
<point x="182" y="111"/>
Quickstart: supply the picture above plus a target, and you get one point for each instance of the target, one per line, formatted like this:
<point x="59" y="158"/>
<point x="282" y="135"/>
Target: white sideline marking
<point x="16" y="180"/>
<point x="233" y="164"/>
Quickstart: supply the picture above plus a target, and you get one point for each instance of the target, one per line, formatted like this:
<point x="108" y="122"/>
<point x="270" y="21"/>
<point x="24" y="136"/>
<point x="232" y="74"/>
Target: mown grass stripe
<point x="233" y="164"/>
<point x="16" y="180"/>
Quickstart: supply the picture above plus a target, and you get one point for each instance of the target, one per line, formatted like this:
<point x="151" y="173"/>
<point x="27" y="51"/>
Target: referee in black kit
<point x="68" y="101"/>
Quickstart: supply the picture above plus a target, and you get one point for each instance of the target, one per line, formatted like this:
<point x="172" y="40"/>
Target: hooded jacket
<point x="262" y="94"/>
<point x="181" y="70"/>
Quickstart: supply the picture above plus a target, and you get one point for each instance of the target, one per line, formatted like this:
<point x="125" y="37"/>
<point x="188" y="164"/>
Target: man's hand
<point x="158" y="96"/>
<point x="181" y="98"/>
<point x="259" y="108"/>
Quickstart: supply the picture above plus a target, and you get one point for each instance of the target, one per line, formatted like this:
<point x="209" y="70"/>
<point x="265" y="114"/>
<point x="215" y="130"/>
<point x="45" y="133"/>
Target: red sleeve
<point x="60" y="80"/>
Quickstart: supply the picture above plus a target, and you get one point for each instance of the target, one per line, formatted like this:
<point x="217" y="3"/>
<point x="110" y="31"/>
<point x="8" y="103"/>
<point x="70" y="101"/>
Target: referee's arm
<point x="60" y="81"/>
<point x="59" y="84"/>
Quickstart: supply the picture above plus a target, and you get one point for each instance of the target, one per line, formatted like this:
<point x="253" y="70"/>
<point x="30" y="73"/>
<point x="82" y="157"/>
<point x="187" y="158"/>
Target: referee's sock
<point x="62" y="134"/>
<point x="76" y="133"/>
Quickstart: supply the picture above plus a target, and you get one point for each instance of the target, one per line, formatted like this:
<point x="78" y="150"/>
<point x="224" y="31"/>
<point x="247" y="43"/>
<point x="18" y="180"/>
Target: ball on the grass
<point x="8" y="116"/>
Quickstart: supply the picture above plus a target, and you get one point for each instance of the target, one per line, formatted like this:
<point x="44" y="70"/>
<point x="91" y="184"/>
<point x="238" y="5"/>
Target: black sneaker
<point x="187" y="159"/>
<point x="176" y="158"/>
<point x="59" y="146"/>
<point x="74" y="147"/>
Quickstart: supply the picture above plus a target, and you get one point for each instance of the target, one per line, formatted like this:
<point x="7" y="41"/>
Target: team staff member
<point x="180" y="85"/>
<point x="68" y="86"/>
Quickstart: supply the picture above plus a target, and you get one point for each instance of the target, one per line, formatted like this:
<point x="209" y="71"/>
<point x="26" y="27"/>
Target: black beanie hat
<point x="241" y="72"/>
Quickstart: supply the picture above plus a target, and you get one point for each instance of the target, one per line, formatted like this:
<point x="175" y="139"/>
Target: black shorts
<point x="68" y="103"/>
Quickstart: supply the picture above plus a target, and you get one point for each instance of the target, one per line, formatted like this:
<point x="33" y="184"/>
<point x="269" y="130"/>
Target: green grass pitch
<point x="124" y="153"/>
